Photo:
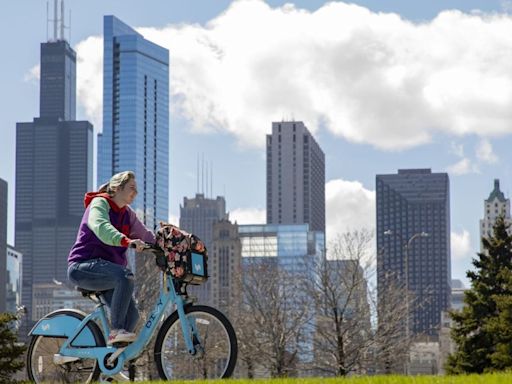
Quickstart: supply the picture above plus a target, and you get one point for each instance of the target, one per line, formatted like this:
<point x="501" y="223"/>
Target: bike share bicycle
<point x="194" y="342"/>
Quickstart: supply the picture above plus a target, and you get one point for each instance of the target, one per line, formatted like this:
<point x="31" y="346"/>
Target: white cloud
<point x="349" y="206"/>
<point x="484" y="152"/>
<point x="174" y="220"/>
<point x="370" y="77"/>
<point x="461" y="245"/>
<point x="457" y="149"/>
<point x="90" y="78"/>
<point x="248" y="216"/>
<point x="484" y="155"/>
<point x="33" y="74"/>
<point x="463" y="167"/>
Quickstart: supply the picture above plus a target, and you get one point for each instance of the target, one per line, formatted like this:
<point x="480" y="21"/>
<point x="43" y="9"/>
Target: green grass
<point x="502" y="378"/>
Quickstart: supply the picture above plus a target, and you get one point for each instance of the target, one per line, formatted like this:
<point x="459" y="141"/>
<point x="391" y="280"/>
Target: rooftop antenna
<point x="69" y="27"/>
<point x="211" y="179"/>
<point x="55" y="19"/>
<point x="62" y="20"/>
<point x="197" y="175"/>
<point x="206" y="180"/>
<point x="202" y="174"/>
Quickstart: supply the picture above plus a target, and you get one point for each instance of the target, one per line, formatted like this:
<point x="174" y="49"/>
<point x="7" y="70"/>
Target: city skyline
<point x="352" y="159"/>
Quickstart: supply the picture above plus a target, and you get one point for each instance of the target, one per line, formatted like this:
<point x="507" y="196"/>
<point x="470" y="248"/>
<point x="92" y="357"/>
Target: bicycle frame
<point x="167" y="296"/>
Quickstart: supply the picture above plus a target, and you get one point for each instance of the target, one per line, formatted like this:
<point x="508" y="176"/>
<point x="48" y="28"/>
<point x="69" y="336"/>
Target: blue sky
<point x="382" y="84"/>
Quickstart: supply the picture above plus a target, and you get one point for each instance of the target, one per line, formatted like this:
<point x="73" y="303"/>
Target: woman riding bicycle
<point x="98" y="261"/>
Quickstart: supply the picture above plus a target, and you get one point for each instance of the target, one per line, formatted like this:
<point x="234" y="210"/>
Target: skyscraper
<point x="197" y="216"/>
<point x="495" y="205"/>
<point x="14" y="272"/>
<point x="413" y="242"/>
<point x="136" y="117"/>
<point x="295" y="177"/>
<point x="54" y="167"/>
<point x="3" y="244"/>
<point x="294" y="250"/>
<point x="224" y="266"/>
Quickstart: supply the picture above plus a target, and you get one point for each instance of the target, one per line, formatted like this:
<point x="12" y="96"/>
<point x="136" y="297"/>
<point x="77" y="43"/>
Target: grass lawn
<point x="502" y="378"/>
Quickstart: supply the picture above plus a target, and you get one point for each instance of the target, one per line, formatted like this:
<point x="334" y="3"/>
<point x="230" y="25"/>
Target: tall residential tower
<point x="295" y="177"/>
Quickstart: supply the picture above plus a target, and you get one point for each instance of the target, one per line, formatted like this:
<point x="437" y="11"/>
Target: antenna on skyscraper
<point x="197" y="175"/>
<point x="211" y="180"/>
<point x="206" y="180"/>
<point x="55" y="19"/>
<point x="69" y="38"/>
<point x="202" y="174"/>
<point x="62" y="20"/>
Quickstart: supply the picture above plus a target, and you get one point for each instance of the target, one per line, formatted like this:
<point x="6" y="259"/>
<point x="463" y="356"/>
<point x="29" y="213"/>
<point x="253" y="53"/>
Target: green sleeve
<point x="99" y="222"/>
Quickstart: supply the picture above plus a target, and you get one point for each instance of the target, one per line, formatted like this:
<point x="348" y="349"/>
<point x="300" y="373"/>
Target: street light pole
<point x="406" y="245"/>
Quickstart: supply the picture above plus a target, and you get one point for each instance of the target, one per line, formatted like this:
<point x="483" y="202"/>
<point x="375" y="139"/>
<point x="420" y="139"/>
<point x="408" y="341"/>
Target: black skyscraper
<point x="54" y="167"/>
<point x="413" y="220"/>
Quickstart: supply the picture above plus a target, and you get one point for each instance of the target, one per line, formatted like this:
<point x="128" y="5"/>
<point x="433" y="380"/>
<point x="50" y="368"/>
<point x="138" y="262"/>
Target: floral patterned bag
<point x="186" y="254"/>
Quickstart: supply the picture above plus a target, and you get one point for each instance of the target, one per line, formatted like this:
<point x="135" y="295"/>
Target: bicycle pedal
<point x="121" y="344"/>
<point x="60" y="359"/>
<point x="115" y="355"/>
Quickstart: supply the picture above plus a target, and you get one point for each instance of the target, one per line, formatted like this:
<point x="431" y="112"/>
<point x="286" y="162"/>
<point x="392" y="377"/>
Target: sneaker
<point x="121" y="336"/>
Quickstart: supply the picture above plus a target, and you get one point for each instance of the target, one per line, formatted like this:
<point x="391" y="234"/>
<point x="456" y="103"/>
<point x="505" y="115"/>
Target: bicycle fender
<point x="63" y="325"/>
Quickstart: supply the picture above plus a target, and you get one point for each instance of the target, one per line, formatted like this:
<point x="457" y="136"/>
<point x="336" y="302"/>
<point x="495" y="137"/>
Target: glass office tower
<point x="136" y="117"/>
<point x="413" y="242"/>
<point x="293" y="249"/>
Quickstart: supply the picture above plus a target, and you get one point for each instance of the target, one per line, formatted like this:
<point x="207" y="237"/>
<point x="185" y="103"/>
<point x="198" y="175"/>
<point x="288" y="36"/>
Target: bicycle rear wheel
<point x="215" y="360"/>
<point x="40" y="358"/>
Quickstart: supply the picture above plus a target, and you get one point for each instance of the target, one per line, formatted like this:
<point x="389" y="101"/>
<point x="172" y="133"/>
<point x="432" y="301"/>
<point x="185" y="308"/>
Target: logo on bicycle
<point x="154" y="314"/>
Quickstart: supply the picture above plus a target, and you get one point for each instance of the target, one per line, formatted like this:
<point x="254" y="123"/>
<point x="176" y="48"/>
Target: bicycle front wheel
<point x="217" y="351"/>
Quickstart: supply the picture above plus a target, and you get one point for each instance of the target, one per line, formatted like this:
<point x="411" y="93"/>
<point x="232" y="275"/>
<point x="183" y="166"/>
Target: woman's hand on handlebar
<point x="139" y="245"/>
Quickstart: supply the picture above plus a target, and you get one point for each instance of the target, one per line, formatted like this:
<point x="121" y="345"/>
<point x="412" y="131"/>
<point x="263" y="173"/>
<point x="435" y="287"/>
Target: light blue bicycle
<point x="195" y="341"/>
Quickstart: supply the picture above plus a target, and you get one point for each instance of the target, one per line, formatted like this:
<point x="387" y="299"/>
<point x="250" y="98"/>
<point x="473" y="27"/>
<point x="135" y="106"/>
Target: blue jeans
<point x="117" y="282"/>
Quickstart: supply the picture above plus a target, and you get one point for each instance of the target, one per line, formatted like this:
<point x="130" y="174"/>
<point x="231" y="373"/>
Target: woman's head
<point x="122" y="185"/>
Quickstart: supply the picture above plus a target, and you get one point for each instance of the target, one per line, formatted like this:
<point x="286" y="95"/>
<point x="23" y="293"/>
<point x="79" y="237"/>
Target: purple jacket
<point x="89" y="246"/>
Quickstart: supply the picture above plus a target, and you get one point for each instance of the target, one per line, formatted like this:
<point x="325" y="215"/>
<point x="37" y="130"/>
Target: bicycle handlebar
<point x="146" y="245"/>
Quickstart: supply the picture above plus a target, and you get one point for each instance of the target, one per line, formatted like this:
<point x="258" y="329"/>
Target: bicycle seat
<point x="87" y="292"/>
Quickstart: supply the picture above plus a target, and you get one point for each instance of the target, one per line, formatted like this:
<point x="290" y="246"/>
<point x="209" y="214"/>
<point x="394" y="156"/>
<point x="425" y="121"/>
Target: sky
<point x="383" y="85"/>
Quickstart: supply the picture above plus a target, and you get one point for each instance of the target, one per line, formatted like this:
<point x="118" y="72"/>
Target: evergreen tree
<point x="482" y="330"/>
<point x="10" y="351"/>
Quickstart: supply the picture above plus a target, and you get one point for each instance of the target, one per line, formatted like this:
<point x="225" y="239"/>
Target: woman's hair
<point x="118" y="181"/>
